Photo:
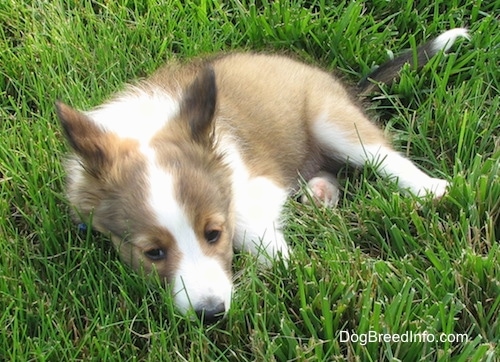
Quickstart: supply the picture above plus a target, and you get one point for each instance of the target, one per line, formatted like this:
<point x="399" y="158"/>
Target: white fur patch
<point x="447" y="39"/>
<point x="137" y="114"/>
<point x="200" y="281"/>
<point x="168" y="212"/>
<point x="258" y="205"/>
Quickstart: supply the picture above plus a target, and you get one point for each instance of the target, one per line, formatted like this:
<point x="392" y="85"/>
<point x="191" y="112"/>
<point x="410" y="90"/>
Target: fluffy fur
<point x="199" y="159"/>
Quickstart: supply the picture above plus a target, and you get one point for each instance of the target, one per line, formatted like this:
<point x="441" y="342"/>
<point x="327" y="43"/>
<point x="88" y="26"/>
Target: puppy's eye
<point x="155" y="254"/>
<point x="212" y="235"/>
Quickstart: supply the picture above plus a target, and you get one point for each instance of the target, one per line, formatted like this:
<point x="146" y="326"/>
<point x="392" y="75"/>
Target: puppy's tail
<point x="388" y="72"/>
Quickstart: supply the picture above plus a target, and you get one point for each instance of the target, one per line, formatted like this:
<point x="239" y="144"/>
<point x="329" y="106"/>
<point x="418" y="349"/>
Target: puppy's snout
<point x="211" y="312"/>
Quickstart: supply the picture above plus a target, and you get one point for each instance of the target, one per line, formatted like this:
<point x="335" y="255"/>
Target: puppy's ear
<point x="198" y="105"/>
<point x="86" y="138"/>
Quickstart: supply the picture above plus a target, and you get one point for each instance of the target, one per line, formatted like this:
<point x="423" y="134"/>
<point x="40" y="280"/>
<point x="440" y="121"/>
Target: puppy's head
<point x="165" y="199"/>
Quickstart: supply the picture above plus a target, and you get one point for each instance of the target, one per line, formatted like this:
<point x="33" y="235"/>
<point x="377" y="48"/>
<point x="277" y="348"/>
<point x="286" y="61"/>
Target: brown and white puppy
<point x="200" y="158"/>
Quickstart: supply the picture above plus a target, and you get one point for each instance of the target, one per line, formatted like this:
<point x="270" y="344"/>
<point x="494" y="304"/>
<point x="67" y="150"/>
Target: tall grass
<point x="379" y="263"/>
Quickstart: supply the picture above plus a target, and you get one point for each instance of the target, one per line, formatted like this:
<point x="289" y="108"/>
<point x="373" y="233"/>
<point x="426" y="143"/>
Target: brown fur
<point x="268" y="106"/>
<point x="268" y="102"/>
<point x="263" y="102"/>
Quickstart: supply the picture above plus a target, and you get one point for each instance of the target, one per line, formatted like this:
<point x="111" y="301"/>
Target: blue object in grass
<point x="82" y="227"/>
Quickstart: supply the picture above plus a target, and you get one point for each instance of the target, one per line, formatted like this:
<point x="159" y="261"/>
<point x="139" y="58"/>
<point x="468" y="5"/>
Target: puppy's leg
<point x="259" y="205"/>
<point x="322" y="189"/>
<point x="349" y="136"/>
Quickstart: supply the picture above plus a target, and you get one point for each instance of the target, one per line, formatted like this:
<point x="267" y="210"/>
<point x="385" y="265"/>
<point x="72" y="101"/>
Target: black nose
<point x="211" y="313"/>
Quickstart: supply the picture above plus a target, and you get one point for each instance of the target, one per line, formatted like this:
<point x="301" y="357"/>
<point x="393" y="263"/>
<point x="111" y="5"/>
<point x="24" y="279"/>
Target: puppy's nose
<point x="211" y="313"/>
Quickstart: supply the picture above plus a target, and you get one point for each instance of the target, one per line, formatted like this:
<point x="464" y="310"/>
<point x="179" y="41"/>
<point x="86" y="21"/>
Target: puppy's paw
<point x="322" y="190"/>
<point x="433" y="187"/>
<point x="268" y="252"/>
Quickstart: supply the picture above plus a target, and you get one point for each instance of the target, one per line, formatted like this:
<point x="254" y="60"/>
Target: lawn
<point x="420" y="277"/>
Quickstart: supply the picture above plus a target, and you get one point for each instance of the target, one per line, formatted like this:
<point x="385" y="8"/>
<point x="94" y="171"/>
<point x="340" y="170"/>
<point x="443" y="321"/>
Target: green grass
<point x="378" y="262"/>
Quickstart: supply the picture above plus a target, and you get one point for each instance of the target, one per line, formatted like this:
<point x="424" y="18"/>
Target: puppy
<point x="198" y="160"/>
